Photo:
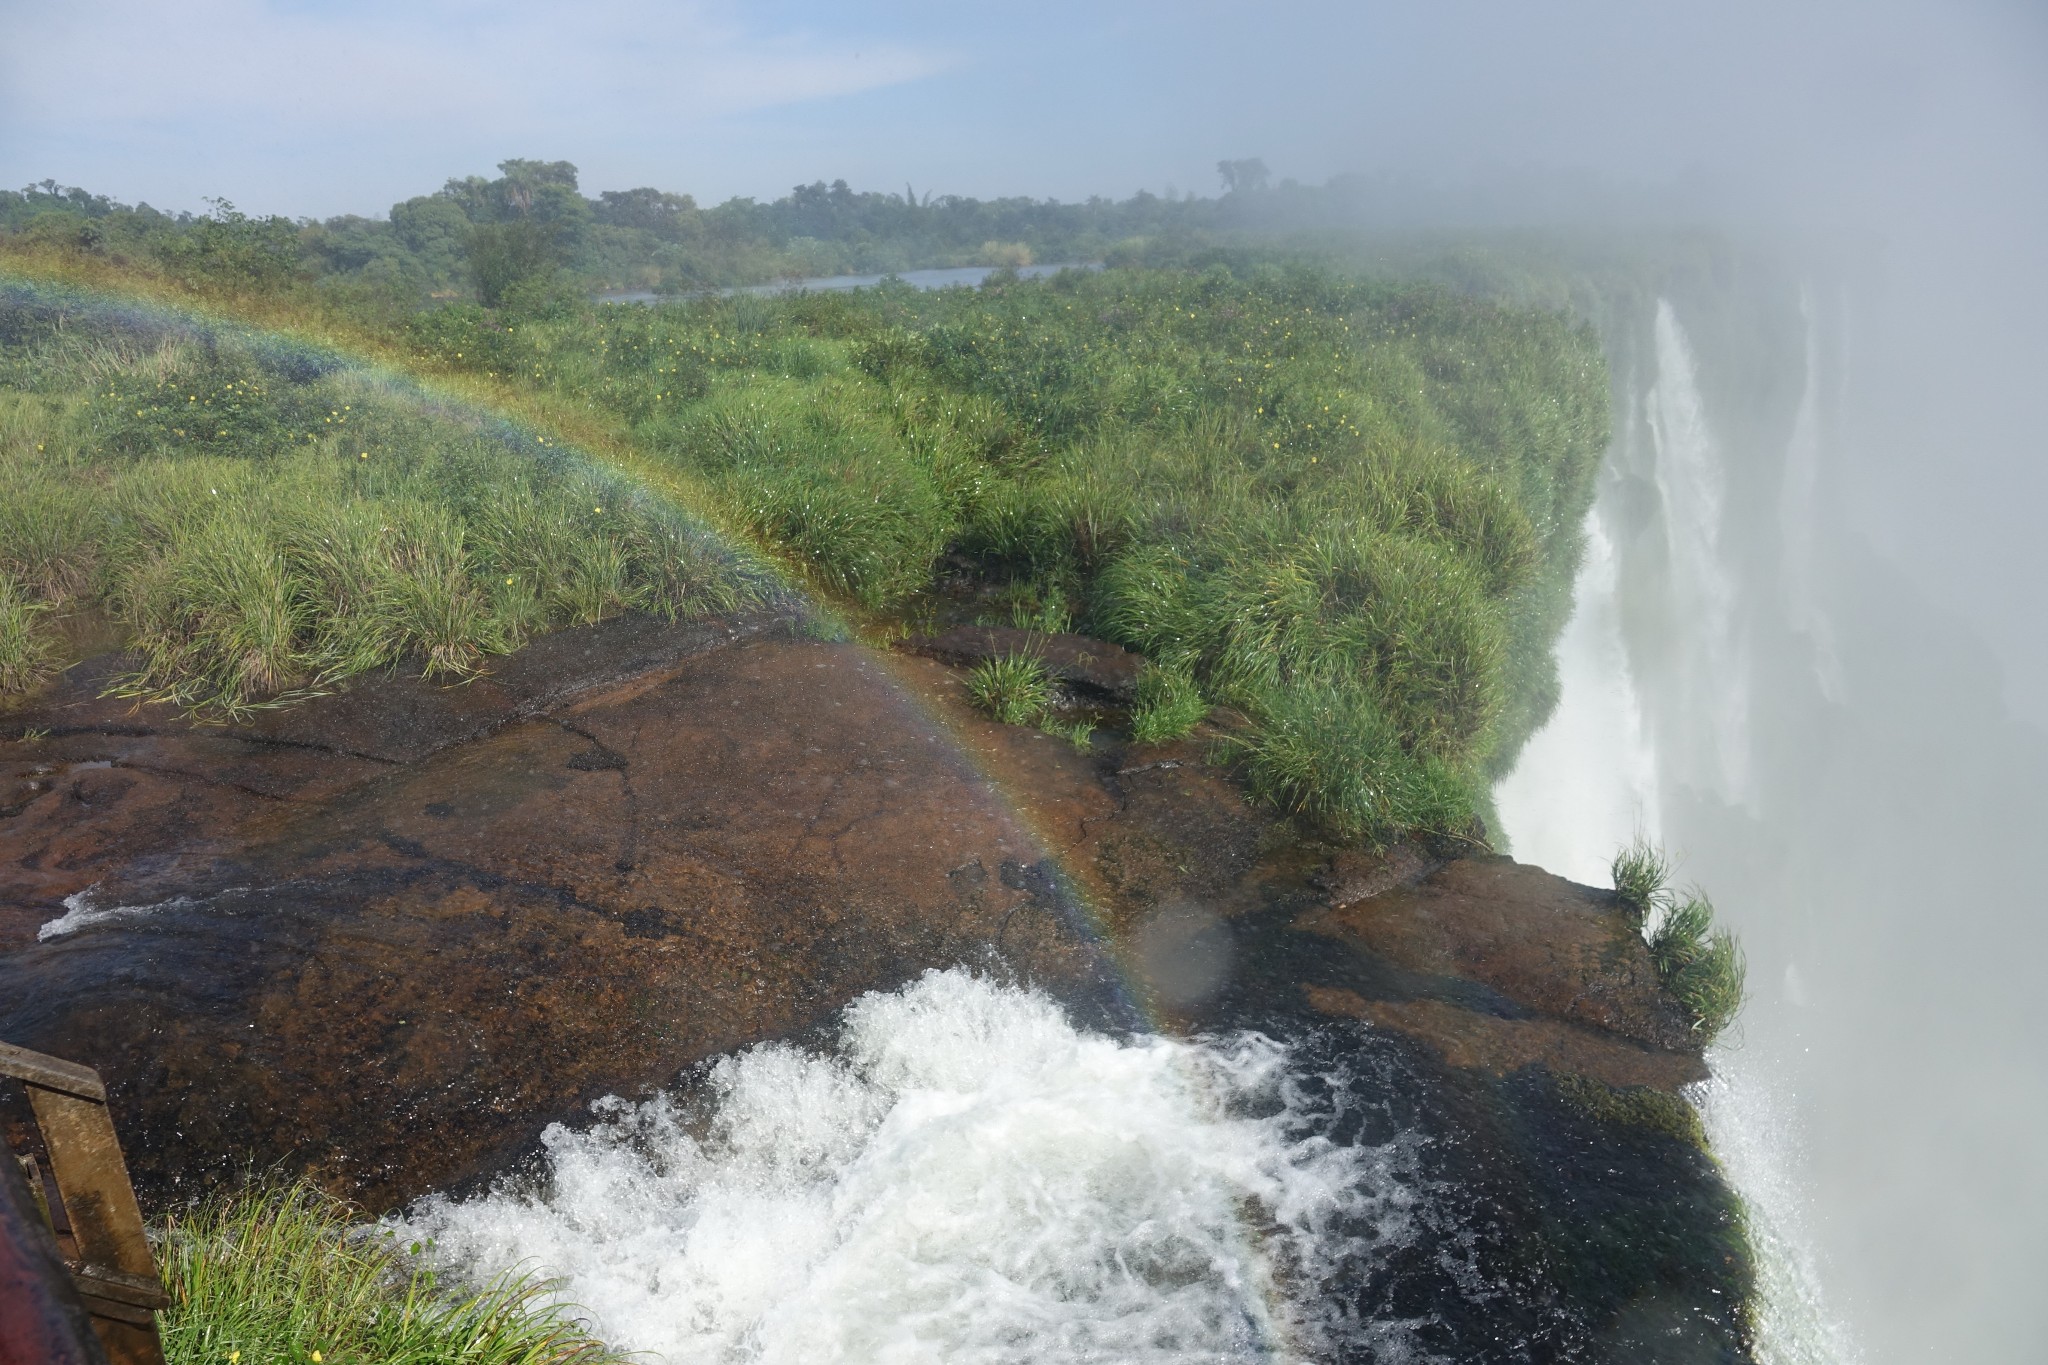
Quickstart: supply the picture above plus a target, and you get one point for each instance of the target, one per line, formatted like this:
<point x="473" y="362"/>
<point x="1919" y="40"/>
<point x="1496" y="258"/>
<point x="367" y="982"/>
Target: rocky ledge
<point x="388" y="935"/>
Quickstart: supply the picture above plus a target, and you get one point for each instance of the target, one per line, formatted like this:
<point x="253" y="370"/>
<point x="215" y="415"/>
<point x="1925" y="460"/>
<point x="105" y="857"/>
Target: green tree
<point x="228" y="247"/>
<point x="505" y="256"/>
<point x="1248" y="176"/>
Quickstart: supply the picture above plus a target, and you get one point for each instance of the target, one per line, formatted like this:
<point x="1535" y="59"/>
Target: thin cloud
<point x="262" y="75"/>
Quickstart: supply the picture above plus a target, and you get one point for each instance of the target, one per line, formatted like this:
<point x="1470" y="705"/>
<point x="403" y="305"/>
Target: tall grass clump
<point x="1703" y="967"/>
<point x="812" y="468"/>
<point x="267" y="525"/>
<point x="1642" y="878"/>
<point x="277" y="1273"/>
<point x="1014" y="689"/>
<point x="28" y="654"/>
<point x="1169" y="705"/>
<point x="1328" y="755"/>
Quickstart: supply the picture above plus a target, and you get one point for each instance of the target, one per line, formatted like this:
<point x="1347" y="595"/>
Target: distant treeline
<point x="533" y="226"/>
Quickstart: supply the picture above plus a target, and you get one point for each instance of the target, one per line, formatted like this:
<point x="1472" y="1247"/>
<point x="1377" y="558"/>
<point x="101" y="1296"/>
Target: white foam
<point x="81" y="913"/>
<point x="966" y="1178"/>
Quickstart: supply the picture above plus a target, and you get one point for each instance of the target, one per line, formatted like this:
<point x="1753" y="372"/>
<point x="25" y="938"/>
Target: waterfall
<point x="1799" y="515"/>
<point x="1646" y="712"/>
<point x="1587" y="783"/>
<point x="1708" y="671"/>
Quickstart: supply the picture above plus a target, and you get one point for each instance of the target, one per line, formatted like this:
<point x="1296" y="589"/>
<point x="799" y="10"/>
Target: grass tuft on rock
<point x="1642" y="879"/>
<point x="1703" y="967"/>
<point x="1014" y="689"/>
<point x="276" y="1273"/>
<point x="1170" y="704"/>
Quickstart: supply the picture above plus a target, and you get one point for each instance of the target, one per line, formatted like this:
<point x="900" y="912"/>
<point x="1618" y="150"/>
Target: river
<point x="943" y="277"/>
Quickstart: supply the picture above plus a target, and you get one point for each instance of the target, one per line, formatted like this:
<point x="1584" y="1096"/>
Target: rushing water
<point x="962" y="1177"/>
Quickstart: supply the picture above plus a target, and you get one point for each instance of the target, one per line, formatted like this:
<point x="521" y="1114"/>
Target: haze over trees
<point x="483" y="236"/>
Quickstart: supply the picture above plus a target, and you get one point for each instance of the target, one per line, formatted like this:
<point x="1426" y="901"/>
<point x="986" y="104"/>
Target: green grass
<point x="266" y="528"/>
<point x="1702" y="967"/>
<point x="1327" y="755"/>
<point x="1299" y="494"/>
<point x="1014" y="689"/>
<point x="280" y="1273"/>
<point x="28" y="654"/>
<point x="1170" y="704"/>
<point x="1642" y="878"/>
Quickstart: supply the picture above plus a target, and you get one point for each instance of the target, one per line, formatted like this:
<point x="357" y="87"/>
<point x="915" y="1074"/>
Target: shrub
<point x="277" y="1273"/>
<point x="1014" y="689"/>
<point x="1169" y="705"/>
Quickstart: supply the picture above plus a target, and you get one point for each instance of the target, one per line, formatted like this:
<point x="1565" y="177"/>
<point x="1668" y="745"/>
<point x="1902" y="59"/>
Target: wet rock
<point x="396" y="984"/>
<point x="1077" y="660"/>
<point x="388" y="936"/>
<point x="1549" y="946"/>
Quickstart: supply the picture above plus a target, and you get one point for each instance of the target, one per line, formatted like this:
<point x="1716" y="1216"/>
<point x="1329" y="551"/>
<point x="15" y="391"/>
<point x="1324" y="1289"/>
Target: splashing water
<point x="81" y="914"/>
<point x="964" y="1178"/>
<point x="1744" y="1109"/>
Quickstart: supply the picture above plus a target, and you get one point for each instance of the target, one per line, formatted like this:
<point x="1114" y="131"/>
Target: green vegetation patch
<point x="1635" y="1106"/>
<point x="1642" y="878"/>
<point x="1014" y="689"/>
<point x="288" y="1274"/>
<point x="267" y="527"/>
<point x="1703" y="967"/>
<point x="1170" y="705"/>
<point x="1348" y="510"/>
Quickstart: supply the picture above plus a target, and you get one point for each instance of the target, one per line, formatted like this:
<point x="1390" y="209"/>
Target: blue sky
<point x="325" y="106"/>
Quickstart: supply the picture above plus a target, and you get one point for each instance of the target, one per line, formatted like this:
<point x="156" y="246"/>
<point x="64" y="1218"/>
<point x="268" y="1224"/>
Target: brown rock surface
<point x="1548" y="945"/>
<point x="398" y="982"/>
<point x="388" y="935"/>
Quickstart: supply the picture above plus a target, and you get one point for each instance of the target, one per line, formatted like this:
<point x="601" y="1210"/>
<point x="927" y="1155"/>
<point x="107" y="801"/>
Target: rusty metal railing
<point x="88" y="1206"/>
